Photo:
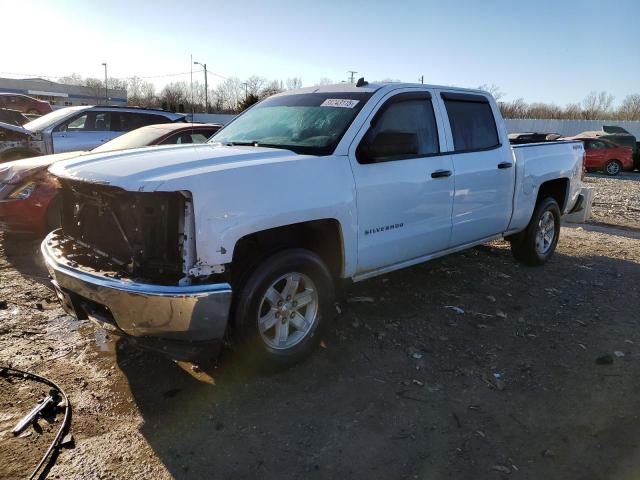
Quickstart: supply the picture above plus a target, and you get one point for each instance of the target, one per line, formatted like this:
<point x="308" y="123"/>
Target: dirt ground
<point x="505" y="385"/>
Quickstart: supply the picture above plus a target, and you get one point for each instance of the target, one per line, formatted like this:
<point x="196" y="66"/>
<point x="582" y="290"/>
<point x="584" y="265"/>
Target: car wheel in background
<point x="283" y="308"/>
<point x="612" y="167"/>
<point x="537" y="243"/>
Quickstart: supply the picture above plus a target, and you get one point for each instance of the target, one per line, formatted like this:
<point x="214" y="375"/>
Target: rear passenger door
<point x="484" y="171"/>
<point x="404" y="186"/>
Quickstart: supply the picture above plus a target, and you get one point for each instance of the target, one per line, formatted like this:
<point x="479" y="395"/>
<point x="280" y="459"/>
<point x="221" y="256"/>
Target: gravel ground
<point x="617" y="200"/>
<point x="405" y="386"/>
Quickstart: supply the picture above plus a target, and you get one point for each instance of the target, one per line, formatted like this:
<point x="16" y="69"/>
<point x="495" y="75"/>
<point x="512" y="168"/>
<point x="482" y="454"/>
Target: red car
<point x="606" y="156"/>
<point x="29" y="201"/>
<point x="24" y="103"/>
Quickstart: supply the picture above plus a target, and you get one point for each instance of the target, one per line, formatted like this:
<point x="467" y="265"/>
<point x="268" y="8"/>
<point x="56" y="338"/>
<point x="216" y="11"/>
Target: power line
<point x="142" y="77"/>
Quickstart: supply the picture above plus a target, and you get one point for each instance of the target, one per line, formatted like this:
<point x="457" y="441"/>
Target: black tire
<point x="612" y="168"/>
<point x="249" y="300"/>
<point x="523" y="245"/>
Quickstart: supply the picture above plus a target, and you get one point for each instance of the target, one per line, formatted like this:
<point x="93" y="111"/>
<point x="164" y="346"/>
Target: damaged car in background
<point x="75" y="128"/>
<point x="245" y="237"/>
<point x="29" y="200"/>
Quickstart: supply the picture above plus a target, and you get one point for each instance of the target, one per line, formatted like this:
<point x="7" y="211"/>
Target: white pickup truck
<point x="244" y="237"/>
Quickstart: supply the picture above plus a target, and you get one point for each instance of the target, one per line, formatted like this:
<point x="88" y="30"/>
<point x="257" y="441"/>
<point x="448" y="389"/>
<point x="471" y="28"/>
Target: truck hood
<point x="146" y="169"/>
<point x="16" y="171"/>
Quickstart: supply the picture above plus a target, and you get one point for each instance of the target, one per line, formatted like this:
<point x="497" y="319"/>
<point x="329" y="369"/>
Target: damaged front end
<point x="137" y="235"/>
<point x="123" y="258"/>
<point x="18" y="142"/>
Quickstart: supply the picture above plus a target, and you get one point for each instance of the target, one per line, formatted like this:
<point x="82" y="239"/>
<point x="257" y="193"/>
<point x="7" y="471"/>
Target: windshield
<point x="140" y="137"/>
<point x="311" y="123"/>
<point x="49" y="119"/>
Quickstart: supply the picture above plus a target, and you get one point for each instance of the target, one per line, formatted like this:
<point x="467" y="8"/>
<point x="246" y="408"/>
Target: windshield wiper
<point x="251" y="144"/>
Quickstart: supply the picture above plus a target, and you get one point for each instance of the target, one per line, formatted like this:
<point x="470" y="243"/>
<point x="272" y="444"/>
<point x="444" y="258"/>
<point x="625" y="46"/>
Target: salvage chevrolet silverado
<point x="246" y="236"/>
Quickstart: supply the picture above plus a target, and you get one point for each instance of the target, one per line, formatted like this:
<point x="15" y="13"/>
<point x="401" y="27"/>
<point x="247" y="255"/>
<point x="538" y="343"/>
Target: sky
<point x="544" y="50"/>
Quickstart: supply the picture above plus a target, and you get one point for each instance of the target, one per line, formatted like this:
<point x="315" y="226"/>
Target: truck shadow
<point x="408" y="385"/>
<point x="23" y="254"/>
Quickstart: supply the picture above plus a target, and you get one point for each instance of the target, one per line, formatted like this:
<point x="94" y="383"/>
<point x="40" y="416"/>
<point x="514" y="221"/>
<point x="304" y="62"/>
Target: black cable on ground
<point x="66" y="421"/>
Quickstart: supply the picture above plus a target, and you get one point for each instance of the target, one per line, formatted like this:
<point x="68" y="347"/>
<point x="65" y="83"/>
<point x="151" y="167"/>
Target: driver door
<point x="404" y="185"/>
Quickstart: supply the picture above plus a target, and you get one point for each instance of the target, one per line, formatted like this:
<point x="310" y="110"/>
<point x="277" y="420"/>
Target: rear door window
<point x="472" y="122"/>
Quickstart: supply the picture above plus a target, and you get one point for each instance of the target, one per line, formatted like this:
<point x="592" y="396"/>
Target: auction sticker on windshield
<point x="339" y="102"/>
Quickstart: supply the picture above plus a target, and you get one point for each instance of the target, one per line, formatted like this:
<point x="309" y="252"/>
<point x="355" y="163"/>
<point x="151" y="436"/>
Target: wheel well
<point x="323" y="237"/>
<point x="556" y="189"/>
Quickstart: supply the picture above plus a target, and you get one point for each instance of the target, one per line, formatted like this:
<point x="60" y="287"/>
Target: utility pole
<point x="106" y="91"/>
<point x="206" y="86"/>
<point x="351" y="75"/>
<point x="421" y="79"/>
<point x="246" y="90"/>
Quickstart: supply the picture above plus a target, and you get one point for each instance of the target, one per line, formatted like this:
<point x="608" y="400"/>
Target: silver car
<point x="75" y="128"/>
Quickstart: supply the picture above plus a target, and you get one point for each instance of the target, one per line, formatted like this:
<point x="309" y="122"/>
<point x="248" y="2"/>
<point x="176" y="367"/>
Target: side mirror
<point x="387" y="145"/>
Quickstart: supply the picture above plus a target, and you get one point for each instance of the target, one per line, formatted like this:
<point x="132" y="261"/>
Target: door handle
<point x="505" y="165"/>
<point x="441" y="174"/>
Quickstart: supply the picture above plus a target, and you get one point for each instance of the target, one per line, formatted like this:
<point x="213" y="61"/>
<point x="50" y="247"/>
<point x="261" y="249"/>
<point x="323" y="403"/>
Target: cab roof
<point x="374" y="87"/>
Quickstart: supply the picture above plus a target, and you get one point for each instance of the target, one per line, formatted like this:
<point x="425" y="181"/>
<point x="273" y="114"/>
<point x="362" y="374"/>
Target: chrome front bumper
<point x="196" y="313"/>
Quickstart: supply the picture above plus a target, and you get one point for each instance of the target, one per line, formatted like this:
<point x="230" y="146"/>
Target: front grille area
<point x="137" y="234"/>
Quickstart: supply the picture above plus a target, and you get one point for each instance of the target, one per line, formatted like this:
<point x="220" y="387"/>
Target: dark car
<point x="24" y="103"/>
<point x="29" y="195"/>
<point x="12" y="117"/>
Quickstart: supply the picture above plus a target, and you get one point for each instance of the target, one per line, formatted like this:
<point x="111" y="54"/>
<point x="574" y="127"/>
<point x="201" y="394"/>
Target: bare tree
<point x="175" y="96"/>
<point x="254" y="85"/>
<point x="325" y="81"/>
<point x="493" y="89"/>
<point x="96" y="89"/>
<point x="597" y="105"/>
<point x="273" y="87"/>
<point x="630" y="107"/>
<point x="228" y="95"/>
<point x="293" y="83"/>
<point x="73" y="79"/>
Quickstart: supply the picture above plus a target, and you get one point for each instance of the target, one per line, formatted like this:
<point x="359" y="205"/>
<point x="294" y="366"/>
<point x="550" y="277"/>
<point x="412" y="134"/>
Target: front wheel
<point x="283" y="308"/>
<point x="537" y="243"/>
<point x="612" y="167"/>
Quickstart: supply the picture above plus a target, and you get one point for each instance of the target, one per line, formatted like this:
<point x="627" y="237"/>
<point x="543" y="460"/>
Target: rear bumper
<point x="178" y="320"/>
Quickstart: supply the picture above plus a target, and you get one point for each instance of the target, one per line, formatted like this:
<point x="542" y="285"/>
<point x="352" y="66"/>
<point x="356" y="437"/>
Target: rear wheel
<point x="612" y="167"/>
<point x="537" y="243"/>
<point x="283" y="308"/>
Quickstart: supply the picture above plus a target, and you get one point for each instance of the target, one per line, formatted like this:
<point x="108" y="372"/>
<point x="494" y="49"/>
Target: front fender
<point x="233" y="203"/>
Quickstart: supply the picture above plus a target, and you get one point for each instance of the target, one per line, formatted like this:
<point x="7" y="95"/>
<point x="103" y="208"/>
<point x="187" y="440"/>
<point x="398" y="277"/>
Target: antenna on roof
<point x="361" y="82"/>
